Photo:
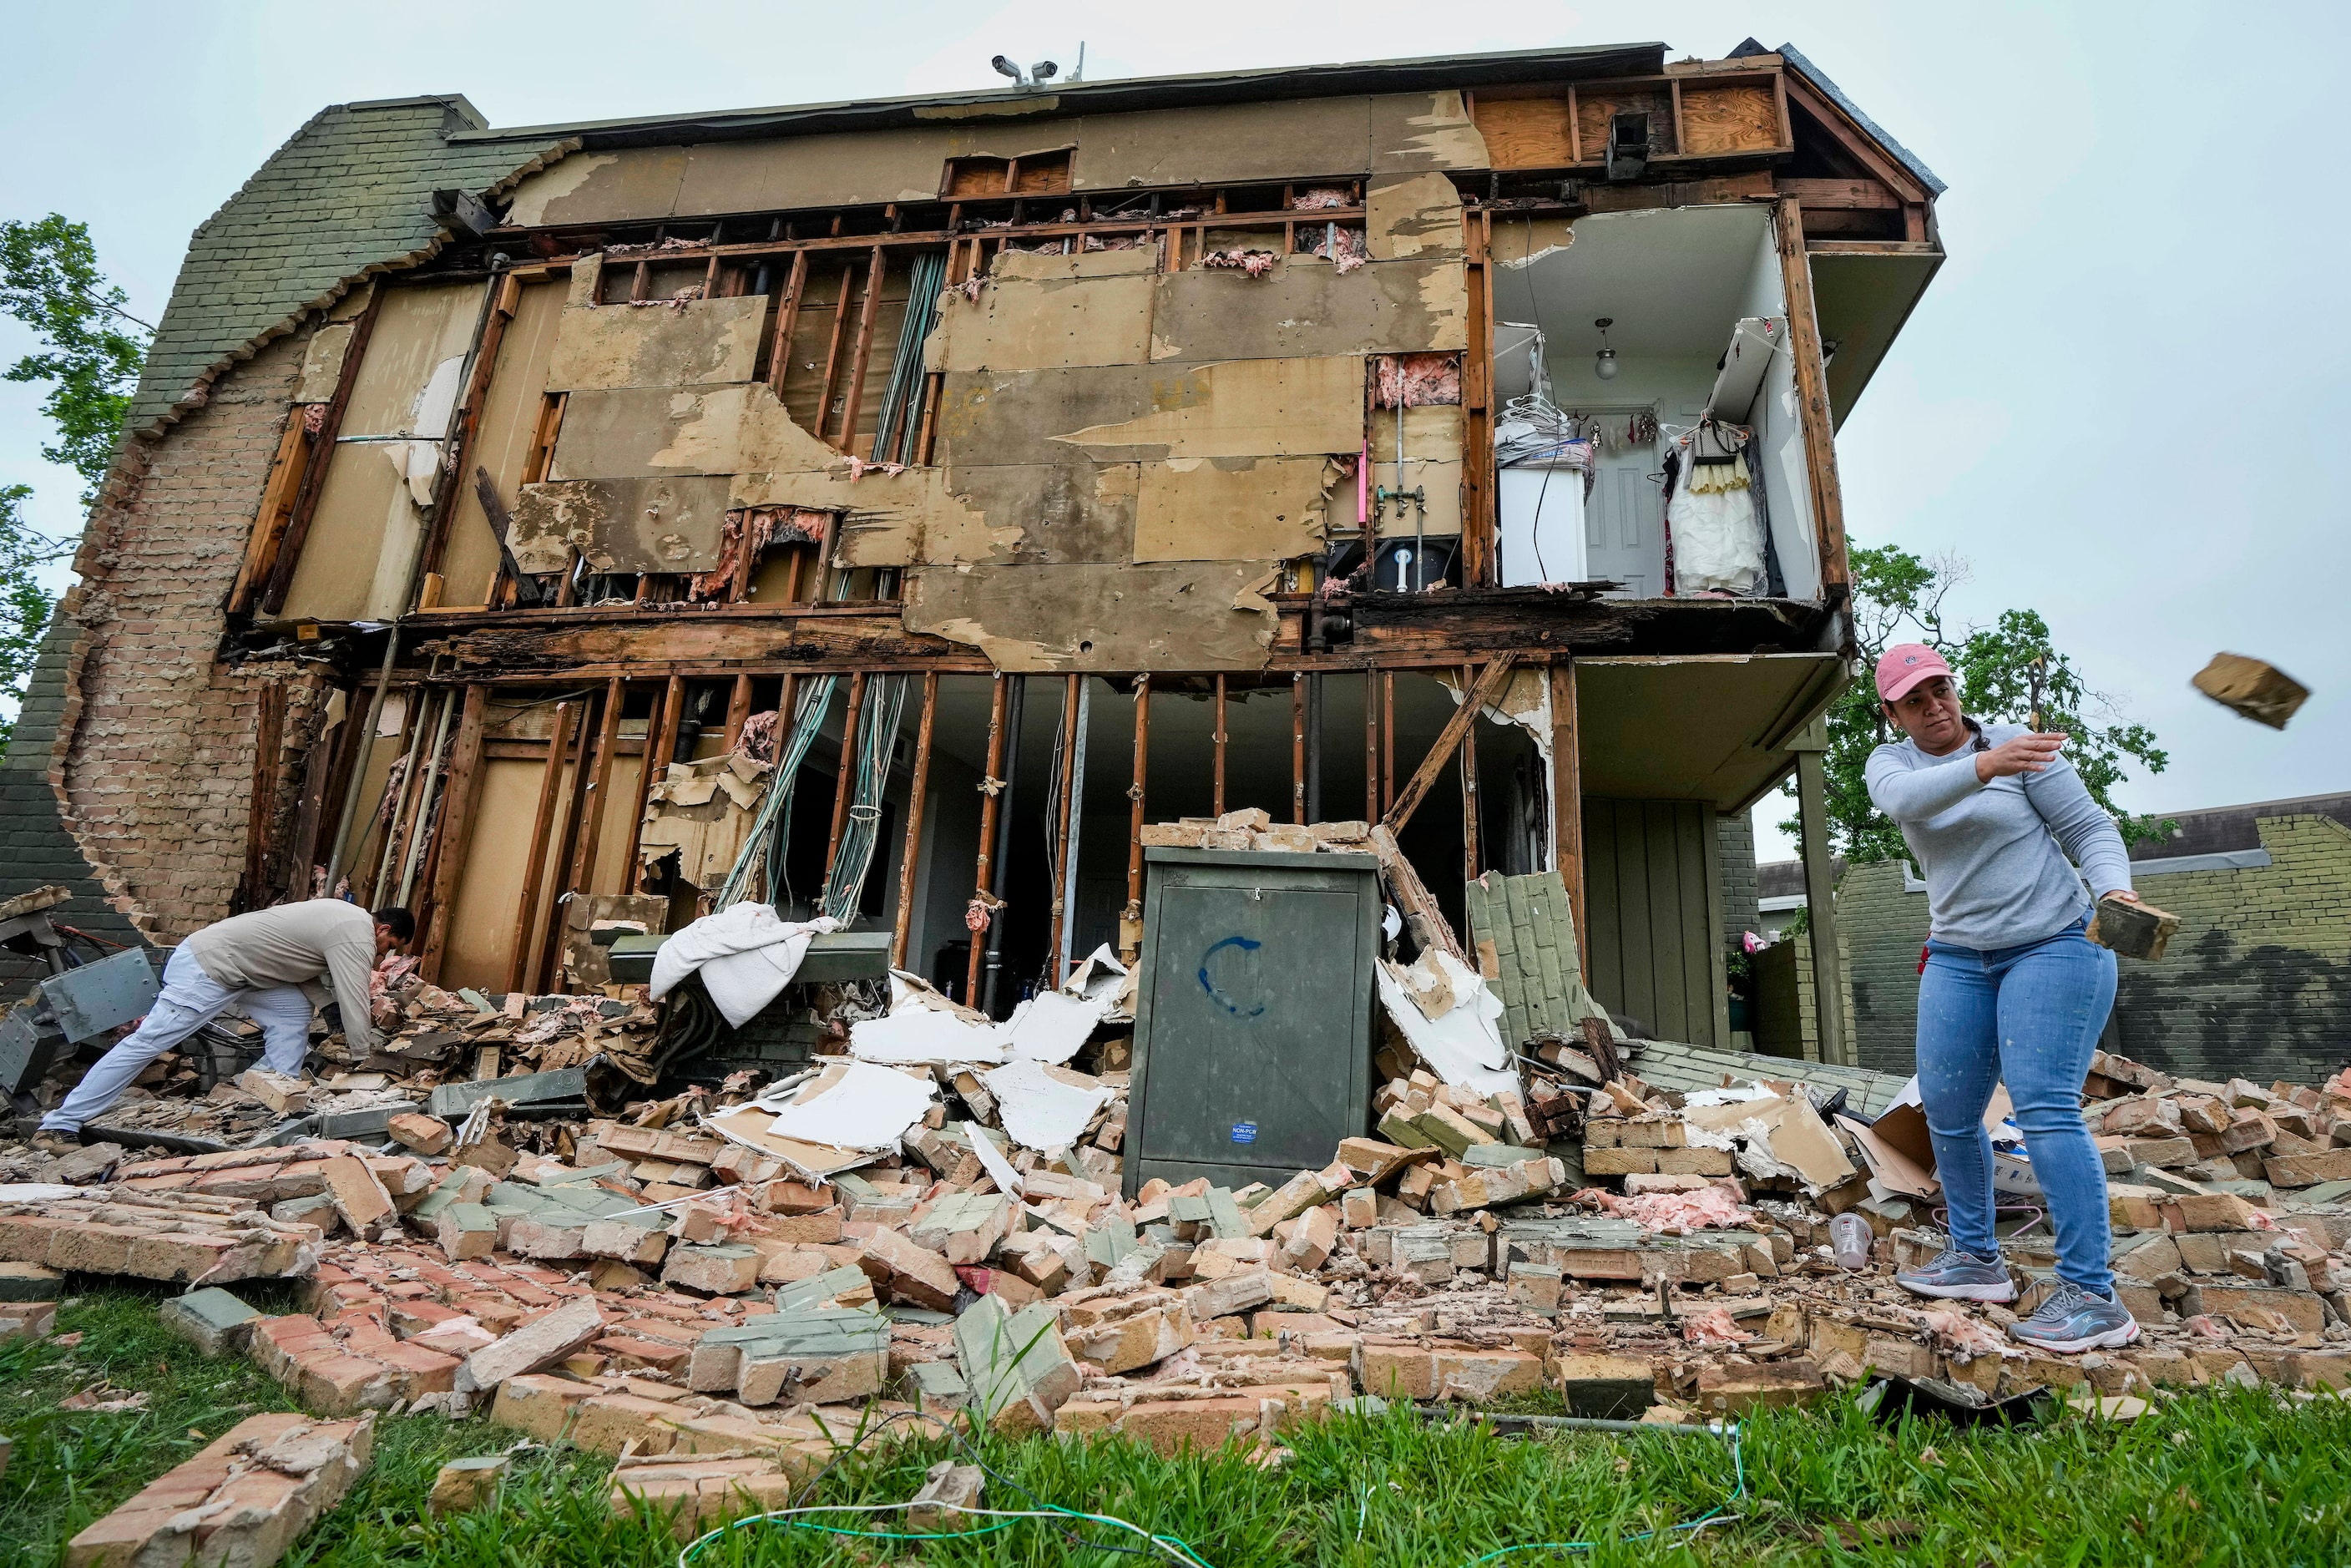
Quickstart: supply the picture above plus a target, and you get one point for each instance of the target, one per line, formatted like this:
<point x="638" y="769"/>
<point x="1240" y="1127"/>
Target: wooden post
<point x="1371" y="747"/>
<point x="1387" y="744"/>
<point x="914" y="844"/>
<point x="1567" y="803"/>
<point x="1298" y="749"/>
<point x="1819" y="892"/>
<point x="1133" y="916"/>
<point x="845" y="779"/>
<point x="599" y="789"/>
<point x="989" y="787"/>
<point x="505" y="299"/>
<point x="832" y="349"/>
<point x="457" y="826"/>
<point x="1477" y="394"/>
<point x="863" y="352"/>
<point x="1813" y="398"/>
<point x="287" y="471"/>
<point x="1470" y="778"/>
<point x="575" y="799"/>
<point x="322" y="451"/>
<point x="542" y="823"/>
<point x="268" y="735"/>
<point x="787" y="315"/>
<point x="1069" y="689"/>
<point x="1220" y="796"/>
<point x="661" y="735"/>
<point x="738" y="710"/>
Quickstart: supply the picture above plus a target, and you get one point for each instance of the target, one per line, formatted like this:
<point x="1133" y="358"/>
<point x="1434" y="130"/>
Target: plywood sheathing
<point x="1207" y="615"/>
<point x="695" y="343"/>
<point x="1413" y="217"/>
<point x="1305" y="306"/>
<point x="502" y="443"/>
<point x="1049" y="312"/>
<point x="1415" y="130"/>
<point x="626" y="432"/>
<point x="1233" y="508"/>
<point x="1234" y="408"/>
<point x="844" y="170"/>
<point x="1224" y="144"/>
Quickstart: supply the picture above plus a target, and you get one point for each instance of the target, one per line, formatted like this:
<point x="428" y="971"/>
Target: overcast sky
<point x="2114" y="401"/>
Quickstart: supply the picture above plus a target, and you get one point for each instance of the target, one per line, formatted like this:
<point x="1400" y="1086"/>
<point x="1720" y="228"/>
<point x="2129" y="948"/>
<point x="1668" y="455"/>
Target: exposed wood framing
<point x="600" y="789"/>
<point x="1070" y="687"/>
<point x="1370" y="747"/>
<point x="526" y="926"/>
<point x="288" y="471"/>
<point x="911" y="851"/>
<point x="1487" y="688"/>
<point x="268" y="735"/>
<point x="575" y="804"/>
<point x="1478" y="396"/>
<point x="1812" y="397"/>
<point x="990" y="787"/>
<point x="469" y="417"/>
<point x="457" y="815"/>
<point x="1387" y="746"/>
<point x="322" y="452"/>
<point x="1567" y="802"/>
<point x="864" y="353"/>
<point x="845" y="775"/>
<point x="738" y="712"/>
<point x="1469" y="812"/>
<point x="660" y="742"/>
<point x="787" y="315"/>
<point x="1130" y="924"/>
<point x="1298" y="748"/>
<point x="1220" y="786"/>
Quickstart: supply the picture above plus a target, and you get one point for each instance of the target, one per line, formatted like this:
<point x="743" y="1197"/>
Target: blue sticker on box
<point x="1245" y="1131"/>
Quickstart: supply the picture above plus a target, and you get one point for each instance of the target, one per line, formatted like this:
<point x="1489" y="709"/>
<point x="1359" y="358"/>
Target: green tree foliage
<point x="2009" y="672"/>
<point x="91" y="351"/>
<point x="49" y="280"/>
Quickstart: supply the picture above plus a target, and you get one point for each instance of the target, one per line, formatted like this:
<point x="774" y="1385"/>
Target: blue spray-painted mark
<point x="1246" y="944"/>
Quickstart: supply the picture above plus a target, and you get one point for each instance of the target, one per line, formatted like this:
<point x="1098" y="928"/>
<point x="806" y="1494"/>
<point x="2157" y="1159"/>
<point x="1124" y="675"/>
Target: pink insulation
<point x="1417" y="380"/>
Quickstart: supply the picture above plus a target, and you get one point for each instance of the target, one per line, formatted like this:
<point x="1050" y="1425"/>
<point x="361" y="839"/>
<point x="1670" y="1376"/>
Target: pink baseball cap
<point x="1904" y="665"/>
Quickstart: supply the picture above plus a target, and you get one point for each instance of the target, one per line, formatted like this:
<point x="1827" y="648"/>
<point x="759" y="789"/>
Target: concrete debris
<point x="245" y="1499"/>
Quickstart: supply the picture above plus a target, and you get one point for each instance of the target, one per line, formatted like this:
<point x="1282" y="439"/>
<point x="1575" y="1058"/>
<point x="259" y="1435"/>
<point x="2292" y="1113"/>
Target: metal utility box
<point x="1253" y="1014"/>
<point x="105" y="995"/>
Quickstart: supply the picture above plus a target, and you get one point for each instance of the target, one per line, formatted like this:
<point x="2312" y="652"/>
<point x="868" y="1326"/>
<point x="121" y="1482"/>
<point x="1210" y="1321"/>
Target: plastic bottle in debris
<point x="1849" y="1239"/>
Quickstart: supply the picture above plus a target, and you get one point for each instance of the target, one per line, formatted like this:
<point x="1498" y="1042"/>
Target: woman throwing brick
<point x="2011" y="990"/>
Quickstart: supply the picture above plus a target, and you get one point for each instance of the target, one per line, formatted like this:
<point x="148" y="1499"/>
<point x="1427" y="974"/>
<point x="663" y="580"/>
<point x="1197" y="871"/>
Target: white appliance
<point x="1540" y="514"/>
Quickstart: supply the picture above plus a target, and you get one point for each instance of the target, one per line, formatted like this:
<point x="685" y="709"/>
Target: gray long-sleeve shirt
<point x="296" y="945"/>
<point x="1994" y="855"/>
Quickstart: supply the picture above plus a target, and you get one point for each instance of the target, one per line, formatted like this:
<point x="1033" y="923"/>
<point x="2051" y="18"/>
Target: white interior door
<point x="1624" y="523"/>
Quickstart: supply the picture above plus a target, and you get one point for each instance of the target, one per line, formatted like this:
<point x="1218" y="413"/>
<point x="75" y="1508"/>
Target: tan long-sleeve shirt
<point x="298" y="944"/>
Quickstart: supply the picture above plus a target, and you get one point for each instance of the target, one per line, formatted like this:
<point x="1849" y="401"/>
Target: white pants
<point x="190" y="999"/>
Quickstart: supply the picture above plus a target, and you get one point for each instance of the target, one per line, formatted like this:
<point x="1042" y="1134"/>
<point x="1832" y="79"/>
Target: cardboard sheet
<point x="865" y="1107"/>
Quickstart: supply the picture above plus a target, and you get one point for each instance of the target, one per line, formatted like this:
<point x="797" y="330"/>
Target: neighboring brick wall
<point x="1734" y="839"/>
<point x="158" y="782"/>
<point x="1883" y="928"/>
<point x="2257" y="984"/>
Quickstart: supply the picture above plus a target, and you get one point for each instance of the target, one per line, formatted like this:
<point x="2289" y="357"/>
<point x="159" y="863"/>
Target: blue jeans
<point x="2028" y="1017"/>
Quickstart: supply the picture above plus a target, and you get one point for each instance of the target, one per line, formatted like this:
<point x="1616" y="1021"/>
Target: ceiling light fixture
<point x="1604" y="363"/>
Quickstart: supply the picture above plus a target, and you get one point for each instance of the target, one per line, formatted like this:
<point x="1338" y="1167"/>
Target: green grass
<point x="2224" y="1478"/>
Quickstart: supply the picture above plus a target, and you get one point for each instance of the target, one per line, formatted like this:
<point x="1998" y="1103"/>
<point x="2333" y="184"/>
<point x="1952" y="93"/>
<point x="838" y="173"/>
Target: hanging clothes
<point x="1717" y="537"/>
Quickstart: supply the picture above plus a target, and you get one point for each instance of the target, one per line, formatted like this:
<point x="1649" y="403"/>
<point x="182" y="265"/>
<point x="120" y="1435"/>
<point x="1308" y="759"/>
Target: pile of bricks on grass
<point x="243" y="1500"/>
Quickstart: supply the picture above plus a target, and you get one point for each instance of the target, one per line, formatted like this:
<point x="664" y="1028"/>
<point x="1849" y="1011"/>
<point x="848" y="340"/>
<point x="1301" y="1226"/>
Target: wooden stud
<point x="1478" y="425"/>
<point x="787" y="318"/>
<point x="739" y="711"/>
<point x="268" y="735"/>
<point x="1812" y="391"/>
<point x="322" y="451"/>
<point x="1135" y="822"/>
<point x="990" y="789"/>
<point x="1069" y="689"/>
<point x="504" y="302"/>
<point x="661" y="738"/>
<point x="1220" y="796"/>
<point x="1567" y="802"/>
<point x="913" y="845"/>
<point x="864" y="353"/>
<point x="542" y="823"/>
<point x="456" y="828"/>
<point x="1371" y="747"/>
<point x="575" y="804"/>
<point x="832" y="349"/>
<point x="415" y="790"/>
<point x="608" y="742"/>
<point x="1298" y="748"/>
<point x="1489" y="687"/>
<point x="1387" y="744"/>
<point x="845" y="779"/>
<point x="287" y="471"/>
<point x="1470" y="813"/>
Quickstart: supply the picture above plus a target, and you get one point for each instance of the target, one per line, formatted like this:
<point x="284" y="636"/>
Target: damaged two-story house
<point x="892" y="507"/>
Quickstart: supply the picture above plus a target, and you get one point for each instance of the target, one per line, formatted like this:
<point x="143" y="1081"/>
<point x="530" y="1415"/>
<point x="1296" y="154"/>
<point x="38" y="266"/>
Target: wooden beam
<point x="1070" y="687"/>
<point x="1845" y="195"/>
<point x="599" y="789"/>
<point x="1813" y="399"/>
<point x="1470" y="813"/>
<point x="845" y="777"/>
<point x="1218" y="798"/>
<point x="567" y="817"/>
<point x="525" y="928"/>
<point x="660" y="741"/>
<point x="287" y="471"/>
<point x="1388" y="745"/>
<point x="1371" y="747"/>
<point x="990" y="787"/>
<point x="739" y="711"/>
<point x="1133" y="915"/>
<point x="457" y="826"/>
<point x="1567" y="802"/>
<point x="833" y="351"/>
<point x="787" y="315"/>
<point x="322" y="451"/>
<point x="864" y="353"/>
<point x="1477" y="393"/>
<point x="1298" y="748"/>
<point x="913" y="839"/>
<point x="261" y="811"/>
<point x="1489" y="687"/>
<point x="507" y="297"/>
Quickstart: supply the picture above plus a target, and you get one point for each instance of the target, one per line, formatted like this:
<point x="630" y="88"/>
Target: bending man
<point x="268" y="964"/>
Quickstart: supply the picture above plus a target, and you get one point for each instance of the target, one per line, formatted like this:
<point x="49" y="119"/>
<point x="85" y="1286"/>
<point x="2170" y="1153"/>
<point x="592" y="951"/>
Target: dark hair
<point x="398" y="920"/>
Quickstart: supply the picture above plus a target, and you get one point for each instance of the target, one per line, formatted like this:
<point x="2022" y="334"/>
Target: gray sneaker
<point x="2072" y="1319"/>
<point x="1962" y="1275"/>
